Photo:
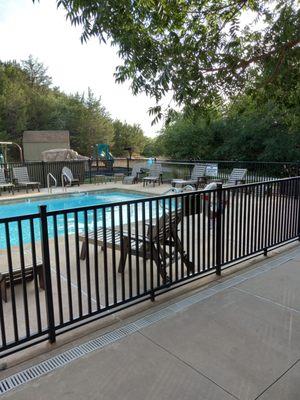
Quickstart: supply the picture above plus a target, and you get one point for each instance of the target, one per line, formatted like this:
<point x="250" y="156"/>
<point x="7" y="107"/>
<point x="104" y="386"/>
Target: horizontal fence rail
<point x="61" y="269"/>
<point x="256" y="171"/>
<point x="38" y="170"/>
<point x="88" y="170"/>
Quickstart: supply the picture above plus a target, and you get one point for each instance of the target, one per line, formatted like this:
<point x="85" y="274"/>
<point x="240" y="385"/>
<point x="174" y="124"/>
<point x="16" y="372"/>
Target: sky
<point x="42" y="30"/>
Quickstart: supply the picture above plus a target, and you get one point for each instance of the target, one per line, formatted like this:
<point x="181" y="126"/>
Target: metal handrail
<point x="49" y="175"/>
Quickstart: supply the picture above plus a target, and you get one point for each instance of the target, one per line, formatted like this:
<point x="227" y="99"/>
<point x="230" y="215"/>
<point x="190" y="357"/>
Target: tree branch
<point x="243" y="63"/>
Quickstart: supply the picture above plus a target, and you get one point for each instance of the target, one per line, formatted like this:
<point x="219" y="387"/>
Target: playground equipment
<point x="103" y="154"/>
<point x="3" y="151"/>
<point x="150" y="161"/>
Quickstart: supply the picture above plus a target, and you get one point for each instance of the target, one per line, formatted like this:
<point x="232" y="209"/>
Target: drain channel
<point x="70" y="355"/>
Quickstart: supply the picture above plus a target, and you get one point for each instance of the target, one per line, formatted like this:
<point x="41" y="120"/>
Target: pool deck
<point x="230" y="337"/>
<point x="238" y="337"/>
<point x="30" y="287"/>
<point x="138" y="187"/>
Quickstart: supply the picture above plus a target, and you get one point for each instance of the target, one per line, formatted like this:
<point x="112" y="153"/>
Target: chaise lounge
<point x="152" y="245"/>
<point x="155" y="175"/>
<point x="197" y="177"/>
<point x="22" y="178"/>
<point x="4" y="184"/>
<point x="236" y="177"/>
<point x="133" y="178"/>
<point x="20" y="275"/>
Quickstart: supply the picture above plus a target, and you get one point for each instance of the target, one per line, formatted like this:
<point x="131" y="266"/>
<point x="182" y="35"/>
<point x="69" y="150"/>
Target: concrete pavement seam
<point x="277" y="379"/>
<point x="187" y="364"/>
<point x="154" y="317"/>
<point x="265" y="299"/>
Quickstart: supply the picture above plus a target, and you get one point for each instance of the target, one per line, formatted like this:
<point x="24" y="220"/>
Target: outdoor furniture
<point x="118" y="176"/>
<point x="133" y="178"/>
<point x="18" y="275"/>
<point x="236" y="177"/>
<point x="101" y="179"/>
<point x="67" y="176"/>
<point x="197" y="177"/>
<point x="4" y="184"/>
<point x="22" y="178"/>
<point x="174" y="190"/>
<point x="154" y="244"/>
<point x="155" y="175"/>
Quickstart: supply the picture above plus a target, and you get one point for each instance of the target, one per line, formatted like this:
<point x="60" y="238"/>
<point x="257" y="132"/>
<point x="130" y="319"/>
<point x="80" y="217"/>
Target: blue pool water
<point x="75" y="200"/>
<point x="62" y="203"/>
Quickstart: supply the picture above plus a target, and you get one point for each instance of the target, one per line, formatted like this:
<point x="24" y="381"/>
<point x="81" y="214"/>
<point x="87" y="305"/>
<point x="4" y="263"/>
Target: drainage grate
<point x="68" y="356"/>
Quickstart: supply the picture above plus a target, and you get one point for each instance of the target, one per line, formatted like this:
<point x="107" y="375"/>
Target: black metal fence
<point x="61" y="269"/>
<point x="38" y="170"/>
<point x="86" y="170"/>
<point x="256" y="171"/>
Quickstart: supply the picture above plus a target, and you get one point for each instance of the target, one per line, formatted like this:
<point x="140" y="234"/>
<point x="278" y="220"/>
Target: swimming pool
<point x="65" y="202"/>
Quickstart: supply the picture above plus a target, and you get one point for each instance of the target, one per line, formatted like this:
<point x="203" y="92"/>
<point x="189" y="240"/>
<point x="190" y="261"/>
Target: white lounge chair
<point x="22" y="178"/>
<point x="68" y="178"/>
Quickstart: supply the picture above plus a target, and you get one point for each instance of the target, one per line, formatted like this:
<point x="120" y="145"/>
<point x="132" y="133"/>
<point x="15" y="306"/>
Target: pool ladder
<point x="49" y="177"/>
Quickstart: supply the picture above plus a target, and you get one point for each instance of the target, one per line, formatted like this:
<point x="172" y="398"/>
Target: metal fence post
<point x="297" y="183"/>
<point x="90" y="170"/>
<point x="218" y="228"/>
<point x="47" y="272"/>
<point x="44" y="174"/>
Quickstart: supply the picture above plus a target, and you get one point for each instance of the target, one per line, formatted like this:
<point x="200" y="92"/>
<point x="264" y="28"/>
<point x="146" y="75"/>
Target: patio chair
<point x="22" y="178"/>
<point x="4" y="184"/>
<point x="27" y="273"/>
<point x="154" y="244"/>
<point x="197" y="177"/>
<point x="133" y="178"/>
<point x="68" y="178"/>
<point x="236" y="177"/>
<point x="155" y="175"/>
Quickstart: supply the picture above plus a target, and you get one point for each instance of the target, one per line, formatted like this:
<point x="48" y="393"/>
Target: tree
<point x="13" y="102"/>
<point x="126" y="135"/>
<point x="89" y="123"/>
<point x="152" y="147"/>
<point x="36" y="72"/>
<point x="28" y="103"/>
<point x="263" y="123"/>
<point x="249" y="129"/>
<point x="203" y="51"/>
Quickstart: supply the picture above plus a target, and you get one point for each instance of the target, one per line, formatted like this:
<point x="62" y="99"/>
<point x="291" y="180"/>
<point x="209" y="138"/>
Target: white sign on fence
<point x="211" y="170"/>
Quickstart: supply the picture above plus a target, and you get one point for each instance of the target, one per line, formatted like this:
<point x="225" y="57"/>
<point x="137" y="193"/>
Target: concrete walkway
<point x="239" y="339"/>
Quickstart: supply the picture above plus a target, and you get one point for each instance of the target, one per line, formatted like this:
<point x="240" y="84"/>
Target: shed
<point x="35" y="142"/>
